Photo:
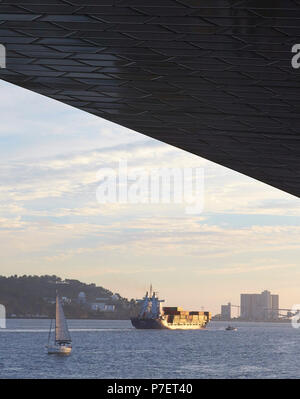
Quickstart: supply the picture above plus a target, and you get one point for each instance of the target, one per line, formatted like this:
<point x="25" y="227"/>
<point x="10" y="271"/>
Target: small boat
<point x="230" y="328"/>
<point x="62" y="340"/>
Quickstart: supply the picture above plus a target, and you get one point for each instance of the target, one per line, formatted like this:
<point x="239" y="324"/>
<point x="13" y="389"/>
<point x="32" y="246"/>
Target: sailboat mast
<point x="55" y="329"/>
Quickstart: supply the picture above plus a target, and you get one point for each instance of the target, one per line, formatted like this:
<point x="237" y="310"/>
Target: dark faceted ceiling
<point x="213" y="77"/>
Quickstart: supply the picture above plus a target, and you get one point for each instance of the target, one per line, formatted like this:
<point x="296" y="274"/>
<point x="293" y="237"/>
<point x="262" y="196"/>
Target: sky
<point x="245" y="240"/>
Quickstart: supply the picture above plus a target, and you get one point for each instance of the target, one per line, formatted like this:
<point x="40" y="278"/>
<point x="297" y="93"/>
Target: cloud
<point x="166" y="237"/>
<point x="11" y="223"/>
<point x="50" y="218"/>
<point x="245" y="269"/>
<point x="75" y="175"/>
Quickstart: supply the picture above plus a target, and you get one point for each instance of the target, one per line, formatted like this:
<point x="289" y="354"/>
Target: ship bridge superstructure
<point x="150" y="306"/>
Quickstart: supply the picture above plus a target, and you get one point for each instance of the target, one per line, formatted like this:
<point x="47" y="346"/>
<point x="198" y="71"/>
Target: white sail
<point x="61" y="328"/>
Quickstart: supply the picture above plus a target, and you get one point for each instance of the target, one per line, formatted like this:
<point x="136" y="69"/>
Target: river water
<point x="113" y="349"/>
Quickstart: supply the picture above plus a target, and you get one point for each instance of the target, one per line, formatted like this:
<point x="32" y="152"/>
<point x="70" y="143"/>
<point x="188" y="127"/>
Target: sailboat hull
<point x="59" y="350"/>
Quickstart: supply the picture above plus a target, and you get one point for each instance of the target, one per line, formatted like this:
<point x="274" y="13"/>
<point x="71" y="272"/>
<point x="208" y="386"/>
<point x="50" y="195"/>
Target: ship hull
<point x="59" y="350"/>
<point x="160" y="324"/>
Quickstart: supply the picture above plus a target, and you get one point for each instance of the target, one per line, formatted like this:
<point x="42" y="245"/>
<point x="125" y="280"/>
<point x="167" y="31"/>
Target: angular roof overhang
<point x="213" y="77"/>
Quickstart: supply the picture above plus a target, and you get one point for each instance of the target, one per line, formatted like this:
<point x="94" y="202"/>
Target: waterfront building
<point x="226" y="311"/>
<point x="261" y="307"/>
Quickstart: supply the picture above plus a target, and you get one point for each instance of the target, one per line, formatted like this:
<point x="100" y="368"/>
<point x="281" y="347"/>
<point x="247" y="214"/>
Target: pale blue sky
<point x="246" y="240"/>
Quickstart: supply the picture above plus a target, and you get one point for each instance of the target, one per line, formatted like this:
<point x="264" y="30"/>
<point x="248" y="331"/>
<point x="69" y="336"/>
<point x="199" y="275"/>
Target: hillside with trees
<point x="34" y="296"/>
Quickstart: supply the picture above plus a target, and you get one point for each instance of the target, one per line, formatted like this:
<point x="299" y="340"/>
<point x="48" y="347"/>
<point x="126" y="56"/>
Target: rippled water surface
<point x="113" y="349"/>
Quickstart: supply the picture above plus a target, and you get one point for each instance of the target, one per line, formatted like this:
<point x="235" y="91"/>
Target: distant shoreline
<point x="69" y="318"/>
<point x="128" y="319"/>
<point x="252" y="321"/>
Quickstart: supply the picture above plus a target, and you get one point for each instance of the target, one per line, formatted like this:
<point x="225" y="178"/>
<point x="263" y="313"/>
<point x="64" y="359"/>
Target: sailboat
<point x="62" y="340"/>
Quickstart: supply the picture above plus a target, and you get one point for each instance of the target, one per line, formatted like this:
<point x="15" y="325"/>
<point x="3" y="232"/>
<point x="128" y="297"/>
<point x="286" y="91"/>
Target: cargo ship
<point x="152" y="316"/>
